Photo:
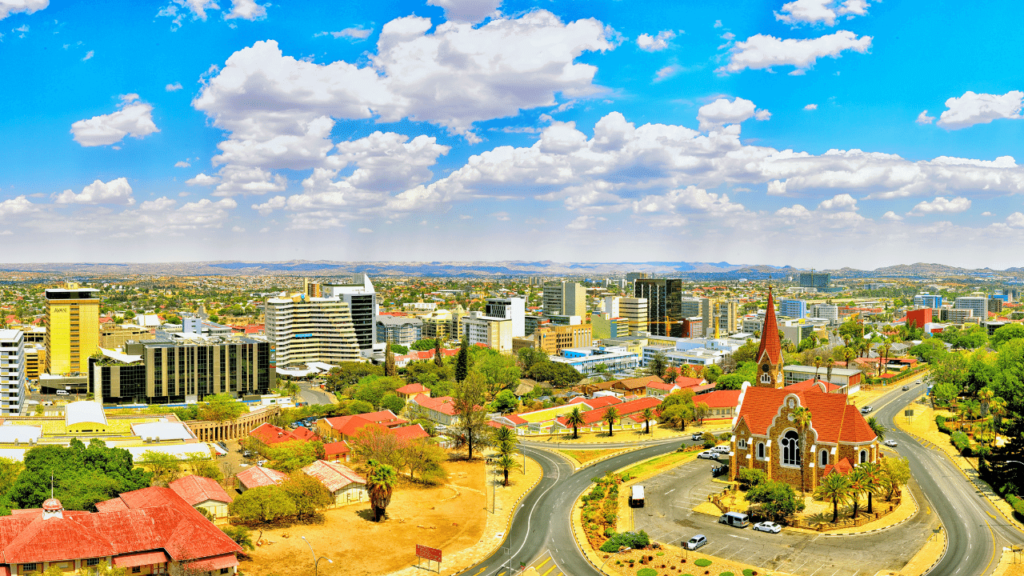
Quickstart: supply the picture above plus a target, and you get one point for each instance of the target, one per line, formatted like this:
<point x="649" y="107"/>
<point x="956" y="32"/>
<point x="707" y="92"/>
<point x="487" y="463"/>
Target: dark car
<point x="905" y="388"/>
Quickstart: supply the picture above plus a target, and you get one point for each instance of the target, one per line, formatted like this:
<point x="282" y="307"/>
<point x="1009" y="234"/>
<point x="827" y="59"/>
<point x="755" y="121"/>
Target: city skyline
<point x="809" y="133"/>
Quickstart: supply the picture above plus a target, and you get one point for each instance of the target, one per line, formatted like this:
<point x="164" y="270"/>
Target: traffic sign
<point x="428" y="553"/>
<point x="908" y="413"/>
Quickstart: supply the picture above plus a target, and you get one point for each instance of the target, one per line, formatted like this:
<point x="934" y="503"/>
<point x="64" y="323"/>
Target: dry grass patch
<point x="584" y="456"/>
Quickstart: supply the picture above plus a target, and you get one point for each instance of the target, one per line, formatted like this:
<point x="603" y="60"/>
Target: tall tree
<point x="817" y="366"/>
<point x="802" y="419"/>
<point x="657" y="365"/>
<point x="871" y="481"/>
<point x="829" y="364"/>
<point x="835" y="488"/>
<point x="610" y="416"/>
<point x="877" y="427"/>
<point x="438" y="355"/>
<point x="462" y="362"/>
<point x="468" y="400"/>
<point x="389" y="361"/>
<point x="895" y="472"/>
<point x="507" y="462"/>
<point x="575" y="419"/>
<point x="380" y="483"/>
<point x="648" y="416"/>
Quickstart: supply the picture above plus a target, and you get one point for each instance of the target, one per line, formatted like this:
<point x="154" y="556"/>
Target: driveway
<point x="668" y="517"/>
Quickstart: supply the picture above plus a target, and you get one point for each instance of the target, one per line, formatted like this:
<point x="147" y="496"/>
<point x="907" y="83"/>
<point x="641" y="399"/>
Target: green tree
<point x="438" y="355"/>
<point x="611" y="415"/>
<point x="240" y="535"/>
<point x="527" y="357"/>
<point x="507" y="462"/>
<point x="10" y="469"/>
<point x="505" y="402"/>
<point x="894" y="472"/>
<point x="200" y="464"/>
<point x="776" y="500"/>
<point x="347" y="374"/>
<point x="424" y="457"/>
<point x="648" y="416"/>
<point x="424" y="344"/>
<point x="462" y="362"/>
<point x="870" y="481"/>
<point x="308" y="494"/>
<point x="263" y="504"/>
<point x="750" y="477"/>
<point x="500" y="371"/>
<point x="389" y="361"/>
<point x="380" y="483"/>
<point x="657" y="364"/>
<point x="468" y="401"/>
<point x="575" y="419"/>
<point x="290" y="456"/>
<point x="730" y="382"/>
<point x="701" y="411"/>
<point x="391" y="401"/>
<point x="829" y="364"/>
<point x="1005" y="334"/>
<point x="877" y="428"/>
<point x="834" y="488"/>
<point x="220" y="407"/>
<point x="712" y="373"/>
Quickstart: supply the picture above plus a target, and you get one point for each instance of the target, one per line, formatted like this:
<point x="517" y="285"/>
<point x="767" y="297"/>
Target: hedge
<point x="634" y="540"/>
<point x="702" y="562"/>
<point x="940" y="421"/>
<point x="1017" y="503"/>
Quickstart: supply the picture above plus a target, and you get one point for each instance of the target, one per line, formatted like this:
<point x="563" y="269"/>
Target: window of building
<point x="136" y="569"/>
<point x="766" y="378"/>
<point x="824" y="457"/>
<point x="26" y="568"/>
<point x="760" y="450"/>
<point x="790" y="449"/>
<point x="225" y="570"/>
<point x="92" y="562"/>
<point x="742" y="444"/>
<point x="863" y="456"/>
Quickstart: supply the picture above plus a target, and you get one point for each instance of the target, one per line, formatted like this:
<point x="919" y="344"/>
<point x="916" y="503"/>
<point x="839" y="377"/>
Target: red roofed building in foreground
<point x="345" y="485"/>
<point x="767" y="435"/>
<point x="152" y="529"/>
<point x="769" y="352"/>
<point x="626" y="412"/>
<point x="203" y="493"/>
<point x="258" y="476"/>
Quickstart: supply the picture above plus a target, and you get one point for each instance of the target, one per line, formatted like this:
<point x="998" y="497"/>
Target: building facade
<point x="303" y="329"/>
<point x="565" y="298"/>
<point x="495" y="333"/>
<point x="664" y="305"/>
<point x="793" y="308"/>
<point x="553" y="339"/>
<point x="72" y="328"/>
<point x="513" y="309"/>
<point x="918" y="318"/>
<point x="933" y="301"/>
<point x="399" y="330"/>
<point x="361" y="298"/>
<point x="634" y="312"/>
<point x="978" y="305"/>
<point x="174" y="371"/>
<point x="815" y="280"/>
<point x="828" y="312"/>
<point x="12" y="372"/>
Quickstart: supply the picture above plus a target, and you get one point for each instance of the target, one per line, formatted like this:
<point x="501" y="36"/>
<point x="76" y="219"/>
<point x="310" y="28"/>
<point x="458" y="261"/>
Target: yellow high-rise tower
<point x="72" y="328"/>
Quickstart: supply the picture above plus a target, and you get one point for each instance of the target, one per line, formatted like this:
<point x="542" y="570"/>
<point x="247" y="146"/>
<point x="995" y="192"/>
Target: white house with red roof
<point x="204" y="493"/>
<point x="148" y="531"/>
<point x="630" y="414"/>
<point x="439" y="410"/>
<point x="258" y="476"/>
<point x="345" y="485"/>
<point x="412" y="390"/>
<point x="722" y="404"/>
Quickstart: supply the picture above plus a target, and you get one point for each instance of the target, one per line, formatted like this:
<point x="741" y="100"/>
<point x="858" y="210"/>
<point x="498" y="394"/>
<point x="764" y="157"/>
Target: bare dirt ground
<point x="449" y="517"/>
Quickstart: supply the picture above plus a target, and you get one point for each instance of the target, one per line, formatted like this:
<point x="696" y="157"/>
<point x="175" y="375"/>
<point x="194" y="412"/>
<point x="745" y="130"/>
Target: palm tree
<point x="507" y="462"/>
<point x="834" y="487"/>
<point x="985" y="396"/>
<point x="610" y="416"/>
<point x="380" y="483"/>
<point x="828" y="368"/>
<point x="877" y="428"/>
<point x="997" y="406"/>
<point x="506" y="440"/>
<point x="802" y="419"/>
<point x="575" y="419"/>
<point x="858" y="485"/>
<point x="872" y="482"/>
<point x="648" y="415"/>
<point x="817" y="366"/>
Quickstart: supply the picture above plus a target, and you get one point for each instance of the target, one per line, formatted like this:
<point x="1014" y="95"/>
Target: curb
<point x="876" y="530"/>
<point x="944" y="550"/>
<point x="575" y="505"/>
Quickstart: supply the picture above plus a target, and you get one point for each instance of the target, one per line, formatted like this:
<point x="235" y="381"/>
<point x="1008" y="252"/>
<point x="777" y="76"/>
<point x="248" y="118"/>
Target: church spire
<point x="769" y="352"/>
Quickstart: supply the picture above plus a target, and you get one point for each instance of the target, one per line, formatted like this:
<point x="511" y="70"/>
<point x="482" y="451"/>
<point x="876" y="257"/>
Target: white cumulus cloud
<point x="811" y="107"/>
<point x="649" y="43"/>
<point x="820" y="11"/>
<point x="722" y="111"/>
<point x="890" y="215"/>
<point x="470" y="11"/>
<point x="763" y="51"/>
<point x="971" y="109"/>
<point x="114" y="192"/>
<point x="1016" y="220"/>
<point x="923" y="118"/>
<point x="585" y="222"/>
<point x="134" y="118"/>
<point x="941" y="205"/>
<point x="246" y="10"/>
<point x="8" y="7"/>
<point x="667" y="72"/>
<point x="173" y="87"/>
<point x="839" y="202"/>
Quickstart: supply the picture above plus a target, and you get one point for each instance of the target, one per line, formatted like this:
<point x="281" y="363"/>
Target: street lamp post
<point x="316" y="560"/>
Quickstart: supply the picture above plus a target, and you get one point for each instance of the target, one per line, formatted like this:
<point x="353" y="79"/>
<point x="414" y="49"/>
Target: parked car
<point x="247" y="454"/>
<point x="890" y="443"/>
<point x="905" y="388"/>
<point x="866" y="410"/>
<point x="696" y="542"/>
<point x="722" y="449"/>
<point x="261" y="462"/>
<point x="719" y="470"/>
<point x="709" y="455"/>
<point x="697" y="437"/>
<point x="767" y="526"/>
<point x="737" y="519"/>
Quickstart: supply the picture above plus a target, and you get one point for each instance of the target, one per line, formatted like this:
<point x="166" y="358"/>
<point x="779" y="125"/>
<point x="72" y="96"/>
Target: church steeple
<point x="769" y="353"/>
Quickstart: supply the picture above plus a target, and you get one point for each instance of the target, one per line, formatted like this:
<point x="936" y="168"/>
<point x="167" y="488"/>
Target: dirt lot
<point x="447" y="517"/>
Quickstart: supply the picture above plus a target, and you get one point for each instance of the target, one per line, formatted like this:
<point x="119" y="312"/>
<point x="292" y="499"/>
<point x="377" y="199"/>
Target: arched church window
<point x="791" y="448"/>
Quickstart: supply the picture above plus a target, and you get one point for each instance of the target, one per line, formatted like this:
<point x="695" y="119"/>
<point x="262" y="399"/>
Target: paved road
<point x="541" y="526"/>
<point x="976" y="531"/>
<point x="312" y="396"/>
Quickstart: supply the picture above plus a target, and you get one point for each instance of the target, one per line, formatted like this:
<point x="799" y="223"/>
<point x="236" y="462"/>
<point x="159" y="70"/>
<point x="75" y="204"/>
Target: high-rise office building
<point x="926" y="300"/>
<point x="814" y="279"/>
<point x="302" y="329"/>
<point x="634" y="312"/>
<point x="399" y="330"/>
<point x="12" y="372"/>
<point x="664" y="305"/>
<point x="361" y="298"/>
<point x="978" y="305"/>
<point x="72" y="328"/>
<point x="611" y="306"/>
<point x="727" y="318"/>
<point x="553" y="339"/>
<point x="513" y="309"/>
<point x="495" y="333"/>
<point x="793" y="308"/>
<point x="828" y="312"/>
<point x="565" y="298"/>
<point x="185" y="369"/>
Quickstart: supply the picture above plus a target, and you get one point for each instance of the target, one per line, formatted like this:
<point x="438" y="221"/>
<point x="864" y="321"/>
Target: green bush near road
<point x="634" y="540"/>
<point x="646" y="572"/>
<point x="702" y="562"/>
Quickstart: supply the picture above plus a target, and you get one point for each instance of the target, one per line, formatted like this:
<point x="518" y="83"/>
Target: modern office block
<point x="361" y="298"/>
<point x="12" y="372"/>
<point x="303" y="329"/>
<point x="634" y="312"/>
<point x="513" y="309"/>
<point x="664" y="305"/>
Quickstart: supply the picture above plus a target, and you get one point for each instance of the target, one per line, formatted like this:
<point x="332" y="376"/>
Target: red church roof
<point x="770" y="334"/>
<point x="843" y="467"/>
<point x="831" y="417"/>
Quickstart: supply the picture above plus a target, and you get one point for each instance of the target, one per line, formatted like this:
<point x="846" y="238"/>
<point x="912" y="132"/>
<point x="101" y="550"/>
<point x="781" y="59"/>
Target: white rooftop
<point x="120" y="356"/>
<point x="180" y="451"/>
<point x="9" y="335"/>
<point x="85" y="411"/>
<point x="162" y="431"/>
<point x="11" y="434"/>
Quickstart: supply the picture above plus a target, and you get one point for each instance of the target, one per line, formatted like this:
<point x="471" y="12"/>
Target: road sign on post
<point x="431" y="554"/>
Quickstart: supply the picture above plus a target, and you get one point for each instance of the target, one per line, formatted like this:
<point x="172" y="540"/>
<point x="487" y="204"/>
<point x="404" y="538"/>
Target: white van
<point x="737" y="519"/>
<point x="636" y="497"/>
<point x="62" y="393"/>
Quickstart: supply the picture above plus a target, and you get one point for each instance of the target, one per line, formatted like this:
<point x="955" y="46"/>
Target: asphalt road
<point x="541" y="526"/>
<point x="313" y="396"/>
<point x="976" y="530"/>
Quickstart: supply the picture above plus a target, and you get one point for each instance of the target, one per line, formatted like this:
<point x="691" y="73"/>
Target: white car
<point x="723" y="449"/>
<point x="696" y="542"/>
<point x="766" y="526"/>
<point x="709" y="455"/>
<point x="890" y="443"/>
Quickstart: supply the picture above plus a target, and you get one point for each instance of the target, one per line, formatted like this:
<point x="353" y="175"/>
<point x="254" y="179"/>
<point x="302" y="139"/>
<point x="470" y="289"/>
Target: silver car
<point x="766" y="526"/>
<point x="696" y="542"/>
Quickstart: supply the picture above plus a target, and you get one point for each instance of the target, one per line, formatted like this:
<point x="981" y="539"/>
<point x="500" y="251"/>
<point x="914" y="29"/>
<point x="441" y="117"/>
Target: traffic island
<point x="925" y="559"/>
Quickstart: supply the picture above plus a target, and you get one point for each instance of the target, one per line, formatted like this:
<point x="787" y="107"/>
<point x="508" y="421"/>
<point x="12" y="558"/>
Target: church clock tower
<point x="769" y="353"/>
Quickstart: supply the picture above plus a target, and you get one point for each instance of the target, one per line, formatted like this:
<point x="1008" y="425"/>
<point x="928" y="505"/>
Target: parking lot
<point x="668" y="517"/>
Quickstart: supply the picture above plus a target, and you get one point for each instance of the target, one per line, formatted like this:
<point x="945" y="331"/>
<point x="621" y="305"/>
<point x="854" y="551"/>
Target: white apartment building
<point x="495" y="333"/>
<point x="634" y="311"/>
<point x="513" y="309"/>
<point x="828" y="312"/>
<point x="303" y="329"/>
<point x="978" y="305"/>
<point x="12" y="372"/>
<point x="361" y="298"/>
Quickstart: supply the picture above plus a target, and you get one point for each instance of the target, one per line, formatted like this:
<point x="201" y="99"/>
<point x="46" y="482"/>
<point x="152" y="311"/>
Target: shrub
<point x="724" y="437"/>
<point x="726" y="574"/>
<point x="702" y="562"/>
<point x="960" y="440"/>
<point x="748" y="572"/>
<point x="750" y="477"/>
<point x="635" y="540"/>
<point x="609" y="517"/>
<point x="1017" y="503"/>
<point x="609" y="532"/>
<point x="647" y="572"/>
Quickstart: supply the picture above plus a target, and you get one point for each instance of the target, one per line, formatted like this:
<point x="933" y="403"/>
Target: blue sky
<point x="812" y="133"/>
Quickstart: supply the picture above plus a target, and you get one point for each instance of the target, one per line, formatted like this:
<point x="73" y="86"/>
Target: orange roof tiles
<point x="197" y="489"/>
<point x="831" y="417"/>
<point x="770" y="334"/>
<point x="259" y="476"/>
<point x="333" y="475"/>
<point x="624" y="409"/>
